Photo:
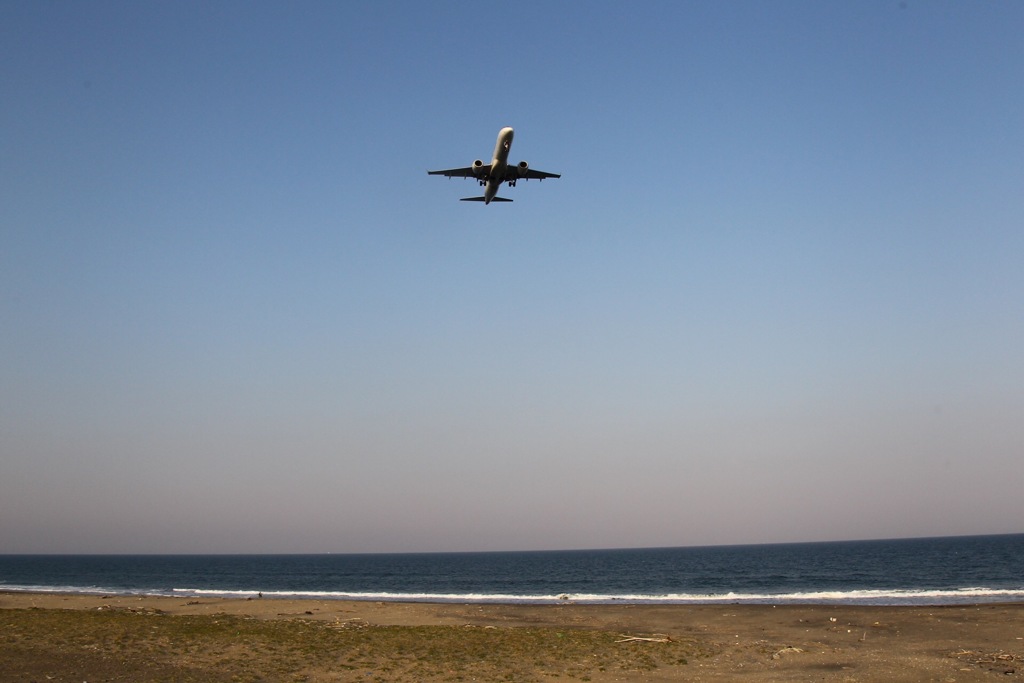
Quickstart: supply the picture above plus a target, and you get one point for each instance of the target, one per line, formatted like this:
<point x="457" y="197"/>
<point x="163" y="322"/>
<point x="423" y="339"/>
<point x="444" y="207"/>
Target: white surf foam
<point x="878" y="597"/>
<point x="974" y="594"/>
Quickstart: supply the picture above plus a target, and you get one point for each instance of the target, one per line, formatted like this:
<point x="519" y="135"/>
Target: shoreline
<point x="903" y="598"/>
<point x="677" y="642"/>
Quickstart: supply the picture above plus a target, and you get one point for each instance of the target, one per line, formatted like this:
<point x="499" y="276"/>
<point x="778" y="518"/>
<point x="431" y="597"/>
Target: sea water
<point x="914" y="571"/>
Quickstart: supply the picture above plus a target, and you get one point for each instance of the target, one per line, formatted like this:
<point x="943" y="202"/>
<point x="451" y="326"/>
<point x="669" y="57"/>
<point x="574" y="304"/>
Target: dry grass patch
<point x="125" y="645"/>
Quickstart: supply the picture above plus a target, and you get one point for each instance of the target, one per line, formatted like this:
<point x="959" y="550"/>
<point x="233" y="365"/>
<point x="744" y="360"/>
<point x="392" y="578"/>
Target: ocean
<point x="973" y="569"/>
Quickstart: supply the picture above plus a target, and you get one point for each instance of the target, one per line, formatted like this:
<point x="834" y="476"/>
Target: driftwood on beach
<point x="632" y="639"/>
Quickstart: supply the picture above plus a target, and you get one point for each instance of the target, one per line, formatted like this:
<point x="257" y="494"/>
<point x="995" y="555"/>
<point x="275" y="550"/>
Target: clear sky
<point x="777" y="294"/>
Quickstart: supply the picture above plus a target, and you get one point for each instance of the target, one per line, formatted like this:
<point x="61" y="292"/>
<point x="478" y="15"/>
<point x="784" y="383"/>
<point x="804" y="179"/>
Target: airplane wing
<point x="513" y="173"/>
<point x="540" y="175"/>
<point x="466" y="172"/>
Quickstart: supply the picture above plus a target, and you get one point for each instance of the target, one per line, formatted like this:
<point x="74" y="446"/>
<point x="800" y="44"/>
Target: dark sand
<point x="46" y="637"/>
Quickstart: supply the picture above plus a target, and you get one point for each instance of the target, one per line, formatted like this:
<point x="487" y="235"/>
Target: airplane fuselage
<point x="499" y="162"/>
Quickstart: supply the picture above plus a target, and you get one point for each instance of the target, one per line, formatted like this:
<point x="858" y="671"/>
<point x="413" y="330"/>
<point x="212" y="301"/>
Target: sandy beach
<point x="52" y="637"/>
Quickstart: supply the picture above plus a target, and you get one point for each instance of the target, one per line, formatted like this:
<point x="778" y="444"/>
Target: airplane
<point x="492" y="175"/>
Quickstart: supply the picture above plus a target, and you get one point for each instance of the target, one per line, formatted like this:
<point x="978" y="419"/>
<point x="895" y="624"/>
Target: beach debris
<point x="656" y="638"/>
<point x="152" y="611"/>
<point x="999" y="661"/>
<point x="785" y="651"/>
<point x="990" y="657"/>
<point x="353" y="623"/>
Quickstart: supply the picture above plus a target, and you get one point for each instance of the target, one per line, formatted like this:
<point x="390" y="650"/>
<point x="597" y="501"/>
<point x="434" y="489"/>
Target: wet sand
<point x="52" y="637"/>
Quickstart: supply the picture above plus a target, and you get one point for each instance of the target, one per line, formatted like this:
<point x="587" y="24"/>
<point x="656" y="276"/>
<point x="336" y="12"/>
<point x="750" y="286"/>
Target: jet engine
<point x="522" y="167"/>
<point x="478" y="167"/>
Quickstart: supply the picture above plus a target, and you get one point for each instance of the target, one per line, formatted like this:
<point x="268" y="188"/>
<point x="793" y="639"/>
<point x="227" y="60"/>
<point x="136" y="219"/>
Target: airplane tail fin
<point x="481" y="199"/>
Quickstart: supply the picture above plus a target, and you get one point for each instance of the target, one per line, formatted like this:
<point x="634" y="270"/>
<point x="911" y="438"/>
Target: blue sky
<point x="776" y="295"/>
